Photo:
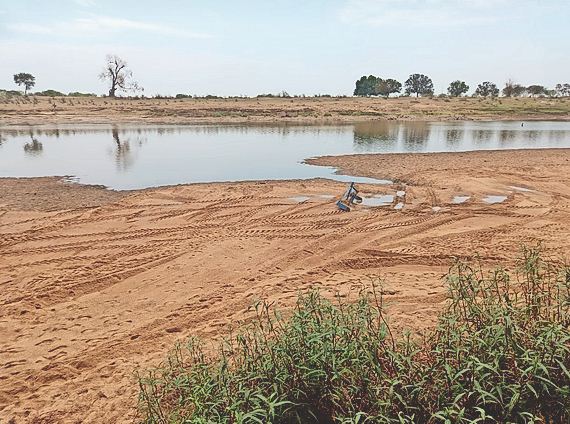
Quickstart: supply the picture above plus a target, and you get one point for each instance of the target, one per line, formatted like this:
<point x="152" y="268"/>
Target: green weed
<point x="500" y="353"/>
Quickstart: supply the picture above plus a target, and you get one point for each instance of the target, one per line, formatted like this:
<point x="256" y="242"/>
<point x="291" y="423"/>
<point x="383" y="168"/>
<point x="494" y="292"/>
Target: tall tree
<point x="366" y="86"/>
<point x="513" y="89"/>
<point x="563" y="89"/>
<point x="419" y="84"/>
<point x="536" y="90"/>
<point x="487" y="89"/>
<point x="457" y="88"/>
<point x="118" y="75"/>
<point x="385" y="87"/>
<point x="25" y="79"/>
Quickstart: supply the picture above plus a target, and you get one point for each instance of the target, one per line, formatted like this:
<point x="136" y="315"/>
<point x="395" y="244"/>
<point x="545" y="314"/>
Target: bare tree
<point x="118" y="75"/>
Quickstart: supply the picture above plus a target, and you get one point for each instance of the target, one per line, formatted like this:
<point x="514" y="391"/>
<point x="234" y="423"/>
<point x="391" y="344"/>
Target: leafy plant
<point x="499" y="353"/>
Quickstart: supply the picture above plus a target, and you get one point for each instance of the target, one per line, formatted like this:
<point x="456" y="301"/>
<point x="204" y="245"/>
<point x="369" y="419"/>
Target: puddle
<point x="378" y="200"/>
<point x="399" y="206"/>
<point x="494" y="199"/>
<point x="460" y="199"/>
<point x="299" y="199"/>
<point x="70" y="180"/>
<point x="400" y="193"/>
<point x="332" y="173"/>
<point x="326" y="196"/>
<point x="523" y="189"/>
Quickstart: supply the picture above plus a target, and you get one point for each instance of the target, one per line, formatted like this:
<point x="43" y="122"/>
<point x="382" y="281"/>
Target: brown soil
<point x="98" y="283"/>
<point x="42" y="110"/>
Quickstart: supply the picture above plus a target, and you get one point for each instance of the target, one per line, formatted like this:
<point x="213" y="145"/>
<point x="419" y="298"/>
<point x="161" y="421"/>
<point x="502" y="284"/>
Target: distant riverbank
<point x="43" y="110"/>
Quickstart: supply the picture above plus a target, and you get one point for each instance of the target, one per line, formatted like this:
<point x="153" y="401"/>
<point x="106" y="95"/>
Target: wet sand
<point x="100" y="283"/>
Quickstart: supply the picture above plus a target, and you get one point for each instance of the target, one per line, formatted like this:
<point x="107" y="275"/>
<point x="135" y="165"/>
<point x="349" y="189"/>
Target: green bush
<point x="499" y="353"/>
<point x="79" y="94"/>
<point x="50" y="93"/>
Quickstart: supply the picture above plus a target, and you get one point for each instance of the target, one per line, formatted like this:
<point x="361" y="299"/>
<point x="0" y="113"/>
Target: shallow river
<point x="129" y="157"/>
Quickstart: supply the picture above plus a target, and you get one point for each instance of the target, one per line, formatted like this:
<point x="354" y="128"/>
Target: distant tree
<point x="536" y="90"/>
<point x="513" y="89"/>
<point x="457" y="88"/>
<point x="366" y="86"/>
<point x="79" y="94"/>
<point x="118" y="75"/>
<point x="50" y="93"/>
<point x="385" y="87"/>
<point x="27" y="80"/>
<point x="419" y="84"/>
<point x="563" y="89"/>
<point x="487" y="89"/>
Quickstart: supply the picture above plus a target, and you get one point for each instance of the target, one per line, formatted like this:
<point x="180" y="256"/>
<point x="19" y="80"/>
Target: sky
<point x="247" y="47"/>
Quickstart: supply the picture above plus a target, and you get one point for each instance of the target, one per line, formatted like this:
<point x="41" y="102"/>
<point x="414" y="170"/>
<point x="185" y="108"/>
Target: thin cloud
<point x="103" y="25"/>
<point x="29" y="28"/>
<point x="85" y="3"/>
<point x="419" y="12"/>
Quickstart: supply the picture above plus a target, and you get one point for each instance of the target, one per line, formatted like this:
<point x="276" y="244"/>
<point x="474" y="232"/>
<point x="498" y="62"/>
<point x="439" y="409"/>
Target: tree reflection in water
<point x="384" y="136"/>
<point x="454" y="137"/>
<point x="371" y="136"/>
<point x="482" y="137"/>
<point x="123" y="154"/>
<point x="416" y="135"/>
<point x="34" y="147"/>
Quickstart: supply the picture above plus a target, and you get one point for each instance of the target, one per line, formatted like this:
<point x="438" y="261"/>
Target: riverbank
<point x="46" y="110"/>
<point x="99" y="283"/>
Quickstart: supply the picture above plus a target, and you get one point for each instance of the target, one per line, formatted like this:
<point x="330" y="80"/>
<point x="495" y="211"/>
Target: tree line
<point x="422" y="85"/>
<point x="120" y="79"/>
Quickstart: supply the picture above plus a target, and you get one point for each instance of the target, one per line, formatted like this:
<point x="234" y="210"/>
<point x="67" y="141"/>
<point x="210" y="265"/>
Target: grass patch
<point x="499" y="353"/>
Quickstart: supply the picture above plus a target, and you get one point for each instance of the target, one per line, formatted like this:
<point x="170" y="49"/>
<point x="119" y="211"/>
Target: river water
<point x="131" y="157"/>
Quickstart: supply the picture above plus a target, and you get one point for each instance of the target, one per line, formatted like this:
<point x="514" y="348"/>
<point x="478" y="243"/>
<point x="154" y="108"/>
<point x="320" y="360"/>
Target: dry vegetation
<point x="37" y="110"/>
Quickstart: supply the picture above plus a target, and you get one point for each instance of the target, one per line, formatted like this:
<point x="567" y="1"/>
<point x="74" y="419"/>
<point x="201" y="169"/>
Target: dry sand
<point x="99" y="283"/>
<point x="43" y="110"/>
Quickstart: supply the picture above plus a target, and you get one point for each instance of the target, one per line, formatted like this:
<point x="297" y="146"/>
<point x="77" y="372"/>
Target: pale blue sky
<point x="232" y="47"/>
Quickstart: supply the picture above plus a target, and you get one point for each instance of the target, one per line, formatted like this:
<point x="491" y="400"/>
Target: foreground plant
<point x="500" y="353"/>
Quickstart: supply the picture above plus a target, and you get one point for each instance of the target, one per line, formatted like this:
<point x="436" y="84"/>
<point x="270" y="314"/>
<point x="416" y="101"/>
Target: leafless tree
<point x="118" y="75"/>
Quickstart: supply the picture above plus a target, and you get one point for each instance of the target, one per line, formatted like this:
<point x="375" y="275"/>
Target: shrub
<point x="500" y="353"/>
<point x="49" y="93"/>
<point x="79" y="94"/>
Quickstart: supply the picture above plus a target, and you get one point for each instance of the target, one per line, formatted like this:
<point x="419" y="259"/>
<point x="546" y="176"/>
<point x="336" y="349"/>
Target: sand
<point x="44" y="110"/>
<point x="99" y="283"/>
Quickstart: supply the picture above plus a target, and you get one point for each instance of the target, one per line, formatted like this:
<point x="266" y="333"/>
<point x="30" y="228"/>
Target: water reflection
<point x="137" y="156"/>
<point x="416" y="136"/>
<point x="506" y="137"/>
<point x="34" y="147"/>
<point x="453" y="137"/>
<point x="482" y="137"/>
<point x="387" y="135"/>
<point x="123" y="154"/>
<point x="66" y="130"/>
<point x="375" y="135"/>
<point x="392" y="136"/>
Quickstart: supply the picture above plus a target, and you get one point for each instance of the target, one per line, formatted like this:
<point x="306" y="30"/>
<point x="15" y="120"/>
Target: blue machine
<point x="349" y="198"/>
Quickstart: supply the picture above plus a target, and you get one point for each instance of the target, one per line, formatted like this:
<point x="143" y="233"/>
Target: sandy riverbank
<point x="45" y="110"/>
<point x="96" y="283"/>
